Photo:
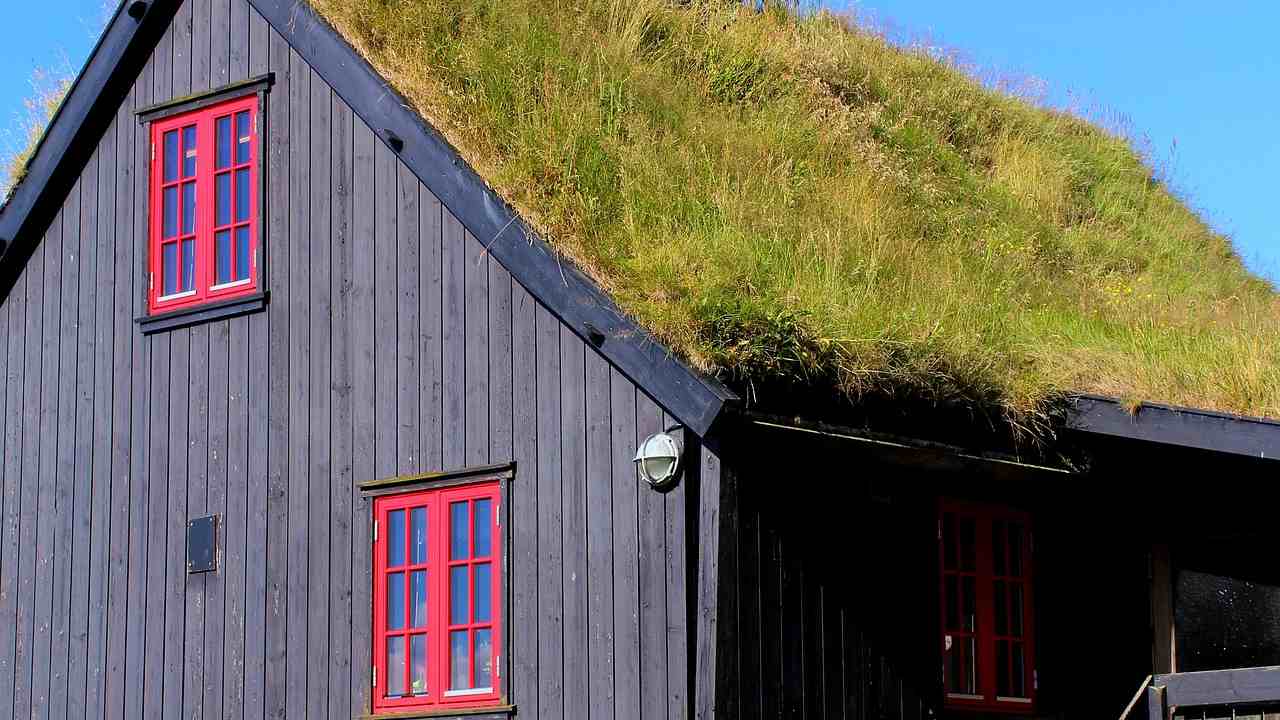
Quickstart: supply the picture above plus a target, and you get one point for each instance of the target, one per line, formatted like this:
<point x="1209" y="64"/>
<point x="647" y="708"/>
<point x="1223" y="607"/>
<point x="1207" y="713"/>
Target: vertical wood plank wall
<point x="809" y="624"/>
<point x="391" y="344"/>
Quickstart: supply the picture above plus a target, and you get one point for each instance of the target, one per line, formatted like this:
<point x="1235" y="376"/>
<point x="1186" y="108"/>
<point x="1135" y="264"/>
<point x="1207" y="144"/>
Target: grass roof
<point x="786" y="197"/>
<point x="48" y="90"/>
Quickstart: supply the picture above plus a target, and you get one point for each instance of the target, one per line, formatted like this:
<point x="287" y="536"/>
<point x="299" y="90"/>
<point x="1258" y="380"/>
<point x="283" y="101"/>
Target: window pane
<point x="458" y="595"/>
<point x="188" y="208"/>
<point x="224" y="142"/>
<point x="1001" y="606"/>
<point x="950" y="663"/>
<point x="484" y="527"/>
<point x="952" y="598"/>
<point x="242" y="253"/>
<point x="484" y="658"/>
<point x="968" y="544"/>
<point x="395" y="538"/>
<point x="961" y="674"/>
<point x="222" y="199"/>
<point x="170" y="202"/>
<point x="483" y="592"/>
<point x="949" y="541"/>
<point x="968" y="604"/>
<point x="418" y="602"/>
<point x="395" y="601"/>
<point x="1019" y="672"/>
<point x="170" y="271"/>
<point x="1015" y="609"/>
<point x="459" y="661"/>
<point x="171" y="156"/>
<point x="458" y="531"/>
<point x="999" y="534"/>
<point x="188" y="265"/>
<point x="243" y="186"/>
<point x="222" y="251"/>
<point x="418" y="535"/>
<point x="242" y="137"/>
<point x="1002" y="668"/>
<point x="395" y="666"/>
<point x="189" y="150"/>
<point x="1015" y="549"/>
<point x="418" y="664"/>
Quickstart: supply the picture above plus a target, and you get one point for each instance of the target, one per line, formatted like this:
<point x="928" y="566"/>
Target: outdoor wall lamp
<point x="658" y="460"/>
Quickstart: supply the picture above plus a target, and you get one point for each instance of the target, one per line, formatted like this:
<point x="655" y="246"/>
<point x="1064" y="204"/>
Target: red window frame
<point x="441" y="564"/>
<point x="198" y="236"/>
<point x="997" y="614"/>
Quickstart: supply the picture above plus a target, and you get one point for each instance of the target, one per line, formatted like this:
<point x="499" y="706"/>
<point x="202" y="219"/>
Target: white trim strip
<point x="175" y="296"/>
<point x="236" y="283"/>
<point x="471" y="691"/>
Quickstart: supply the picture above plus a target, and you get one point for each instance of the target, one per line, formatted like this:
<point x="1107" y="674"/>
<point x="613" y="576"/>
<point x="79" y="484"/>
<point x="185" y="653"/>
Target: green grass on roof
<point x="794" y="198"/>
<point x="47" y="91"/>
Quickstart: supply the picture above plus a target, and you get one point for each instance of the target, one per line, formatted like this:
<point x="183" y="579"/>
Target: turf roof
<point x="785" y="199"/>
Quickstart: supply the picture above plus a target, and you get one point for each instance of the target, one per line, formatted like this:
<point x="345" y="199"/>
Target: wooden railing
<point x="1247" y="693"/>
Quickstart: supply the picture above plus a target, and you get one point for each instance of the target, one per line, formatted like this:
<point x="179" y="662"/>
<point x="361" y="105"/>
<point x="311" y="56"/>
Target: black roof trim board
<point x="1183" y="427"/>
<point x="693" y="399"/>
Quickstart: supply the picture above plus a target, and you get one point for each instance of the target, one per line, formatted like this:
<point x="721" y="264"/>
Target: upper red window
<point x="204" y="205"/>
<point x="987" y="640"/>
<point x="437" y="561"/>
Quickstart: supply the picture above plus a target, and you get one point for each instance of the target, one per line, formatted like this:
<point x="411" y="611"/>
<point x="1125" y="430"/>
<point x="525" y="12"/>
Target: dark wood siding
<point x="392" y="343"/>
<point x="820" y="591"/>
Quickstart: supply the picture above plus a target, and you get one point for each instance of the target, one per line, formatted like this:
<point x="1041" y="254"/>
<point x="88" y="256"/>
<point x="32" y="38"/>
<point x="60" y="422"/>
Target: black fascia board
<point x="1182" y="427"/>
<point x="695" y="400"/>
<point x="74" y="130"/>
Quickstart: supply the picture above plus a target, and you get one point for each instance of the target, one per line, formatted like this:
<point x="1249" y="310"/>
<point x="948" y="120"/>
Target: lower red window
<point x="437" y="598"/>
<point x="987" y="639"/>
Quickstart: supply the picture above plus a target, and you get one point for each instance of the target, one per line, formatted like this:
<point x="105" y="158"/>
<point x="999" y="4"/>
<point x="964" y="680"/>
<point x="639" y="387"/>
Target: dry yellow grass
<point x="48" y="89"/>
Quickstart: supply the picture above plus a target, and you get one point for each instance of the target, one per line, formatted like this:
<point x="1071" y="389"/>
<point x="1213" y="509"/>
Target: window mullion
<point x="204" y="189"/>
<point x="437" y="635"/>
<point x="985" y="587"/>
<point x="408" y="530"/>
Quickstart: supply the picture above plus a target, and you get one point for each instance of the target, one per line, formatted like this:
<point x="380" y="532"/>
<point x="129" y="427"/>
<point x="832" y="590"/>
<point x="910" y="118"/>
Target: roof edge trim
<point x="1183" y="427"/>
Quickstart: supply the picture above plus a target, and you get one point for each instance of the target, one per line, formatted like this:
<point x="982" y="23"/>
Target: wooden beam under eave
<point x="1164" y="651"/>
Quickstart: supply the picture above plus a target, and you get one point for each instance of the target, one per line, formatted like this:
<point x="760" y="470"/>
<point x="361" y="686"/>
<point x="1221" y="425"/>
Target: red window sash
<point x="438" y="626"/>
<point x="204" y="290"/>
<point x="984" y="517"/>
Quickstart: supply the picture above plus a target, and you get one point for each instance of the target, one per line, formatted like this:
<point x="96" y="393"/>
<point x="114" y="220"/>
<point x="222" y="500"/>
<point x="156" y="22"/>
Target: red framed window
<point x="437" y="558"/>
<point x="204" y="205"/>
<point x="987" y="612"/>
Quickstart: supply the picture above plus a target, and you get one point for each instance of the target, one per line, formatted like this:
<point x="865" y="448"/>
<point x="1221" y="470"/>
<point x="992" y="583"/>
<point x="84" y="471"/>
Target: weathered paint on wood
<point x="392" y="342"/>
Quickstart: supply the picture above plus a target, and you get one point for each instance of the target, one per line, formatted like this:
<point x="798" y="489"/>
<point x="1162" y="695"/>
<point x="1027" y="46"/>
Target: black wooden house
<point x="298" y="419"/>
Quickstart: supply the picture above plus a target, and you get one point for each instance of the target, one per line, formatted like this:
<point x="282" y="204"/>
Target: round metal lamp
<point x="658" y="460"/>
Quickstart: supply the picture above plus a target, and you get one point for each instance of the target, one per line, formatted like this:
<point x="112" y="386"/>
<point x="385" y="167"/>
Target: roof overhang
<point x="1175" y="426"/>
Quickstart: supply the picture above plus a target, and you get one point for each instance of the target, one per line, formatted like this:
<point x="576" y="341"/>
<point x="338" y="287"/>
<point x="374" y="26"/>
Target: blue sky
<point x="54" y="35"/>
<point x="1201" y="81"/>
